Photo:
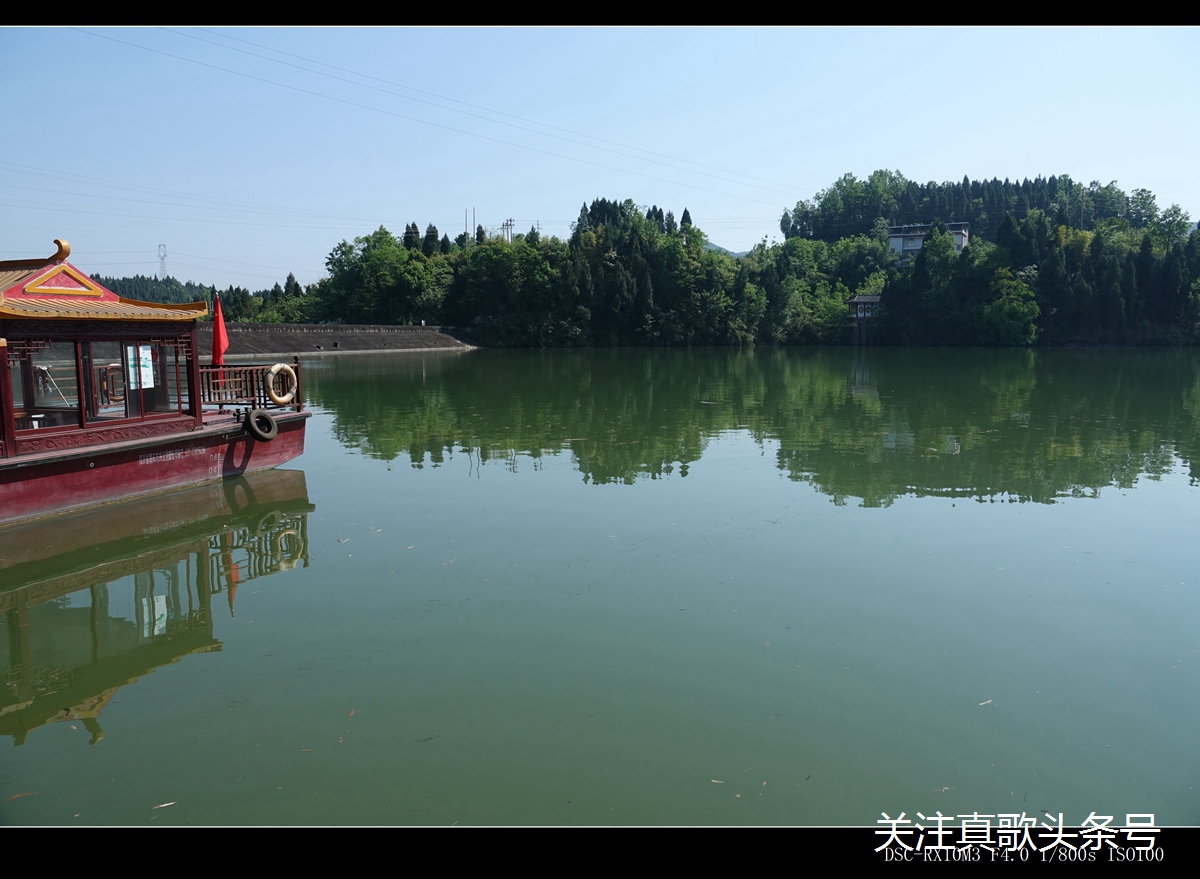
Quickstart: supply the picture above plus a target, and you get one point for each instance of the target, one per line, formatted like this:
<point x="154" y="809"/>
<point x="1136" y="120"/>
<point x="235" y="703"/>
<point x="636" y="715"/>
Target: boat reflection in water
<point x="95" y="600"/>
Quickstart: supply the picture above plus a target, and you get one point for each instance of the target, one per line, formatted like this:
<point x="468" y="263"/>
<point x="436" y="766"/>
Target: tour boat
<point x="104" y="398"/>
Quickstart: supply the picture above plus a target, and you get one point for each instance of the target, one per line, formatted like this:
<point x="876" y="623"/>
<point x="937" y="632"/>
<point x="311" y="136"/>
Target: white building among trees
<point x="905" y="241"/>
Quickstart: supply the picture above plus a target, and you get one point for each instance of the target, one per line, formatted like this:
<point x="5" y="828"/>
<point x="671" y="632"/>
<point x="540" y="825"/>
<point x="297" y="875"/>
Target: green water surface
<point x="631" y="586"/>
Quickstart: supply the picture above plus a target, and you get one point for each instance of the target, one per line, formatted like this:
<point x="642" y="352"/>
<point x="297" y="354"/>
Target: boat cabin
<point x="104" y="398"/>
<point x="84" y="366"/>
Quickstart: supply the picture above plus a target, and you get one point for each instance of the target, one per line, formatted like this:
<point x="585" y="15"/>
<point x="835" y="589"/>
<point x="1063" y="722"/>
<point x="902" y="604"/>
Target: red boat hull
<point x="98" y="475"/>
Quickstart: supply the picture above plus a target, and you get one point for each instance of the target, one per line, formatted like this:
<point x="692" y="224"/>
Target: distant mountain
<point x="719" y="249"/>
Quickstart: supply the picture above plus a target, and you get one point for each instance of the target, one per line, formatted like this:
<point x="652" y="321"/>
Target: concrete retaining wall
<point x="285" y="340"/>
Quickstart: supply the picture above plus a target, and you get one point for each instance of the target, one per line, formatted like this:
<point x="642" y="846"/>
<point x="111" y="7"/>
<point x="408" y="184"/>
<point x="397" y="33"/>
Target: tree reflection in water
<point x="873" y="424"/>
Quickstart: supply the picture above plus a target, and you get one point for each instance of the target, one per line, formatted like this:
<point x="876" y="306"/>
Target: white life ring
<point x="291" y="383"/>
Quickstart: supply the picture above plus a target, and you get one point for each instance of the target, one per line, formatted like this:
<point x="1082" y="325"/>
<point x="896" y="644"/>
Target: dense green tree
<point x="412" y="236"/>
<point x="1143" y="208"/>
<point x="167" y="290"/>
<point x="1191" y="252"/>
<point x="1010" y="318"/>
<point x="1170" y="228"/>
<point x="1010" y="238"/>
<point x="291" y="287"/>
<point x="237" y="304"/>
<point x="850" y="206"/>
<point x="1146" y="265"/>
<point x="377" y="280"/>
<point x="429" y="245"/>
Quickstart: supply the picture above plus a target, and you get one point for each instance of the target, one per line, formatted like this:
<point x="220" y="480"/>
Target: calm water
<point x="579" y="587"/>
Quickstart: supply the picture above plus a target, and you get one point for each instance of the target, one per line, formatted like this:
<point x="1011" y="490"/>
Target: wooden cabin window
<point x="138" y="374"/>
<point x="112" y="380"/>
<point x="134" y="379"/>
<point x="171" y="372"/>
<point x="17" y="373"/>
<point x="55" y="388"/>
<point x="167" y="373"/>
<point x="104" y="378"/>
<point x="155" y="375"/>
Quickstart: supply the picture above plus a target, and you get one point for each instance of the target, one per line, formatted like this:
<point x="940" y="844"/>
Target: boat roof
<point x="53" y="289"/>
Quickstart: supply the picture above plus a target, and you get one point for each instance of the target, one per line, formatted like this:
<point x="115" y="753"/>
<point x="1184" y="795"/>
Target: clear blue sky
<point x="247" y="168"/>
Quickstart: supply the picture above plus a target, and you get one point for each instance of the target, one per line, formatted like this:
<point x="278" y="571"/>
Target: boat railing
<point x="256" y="386"/>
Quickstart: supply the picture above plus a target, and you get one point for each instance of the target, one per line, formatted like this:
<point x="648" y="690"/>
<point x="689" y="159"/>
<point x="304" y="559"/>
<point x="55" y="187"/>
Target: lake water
<point x="629" y="586"/>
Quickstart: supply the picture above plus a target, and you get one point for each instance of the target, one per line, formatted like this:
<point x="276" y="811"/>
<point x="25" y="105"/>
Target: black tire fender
<point x="261" y="425"/>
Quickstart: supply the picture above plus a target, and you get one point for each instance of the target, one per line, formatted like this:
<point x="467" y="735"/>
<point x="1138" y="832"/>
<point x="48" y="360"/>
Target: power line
<point x="475" y="115"/>
<point x="88" y="264"/>
<point x="232" y="262"/>
<point x="419" y="121"/>
<point x="240" y="274"/>
<point x="478" y="106"/>
<point x="174" y="204"/>
<point x="34" y="171"/>
<point x="96" y="210"/>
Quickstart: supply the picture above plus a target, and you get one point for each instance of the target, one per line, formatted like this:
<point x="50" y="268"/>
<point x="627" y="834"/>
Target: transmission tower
<point x="162" y="262"/>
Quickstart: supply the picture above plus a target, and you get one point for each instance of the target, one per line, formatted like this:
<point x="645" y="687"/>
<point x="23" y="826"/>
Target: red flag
<point x="220" y="337"/>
